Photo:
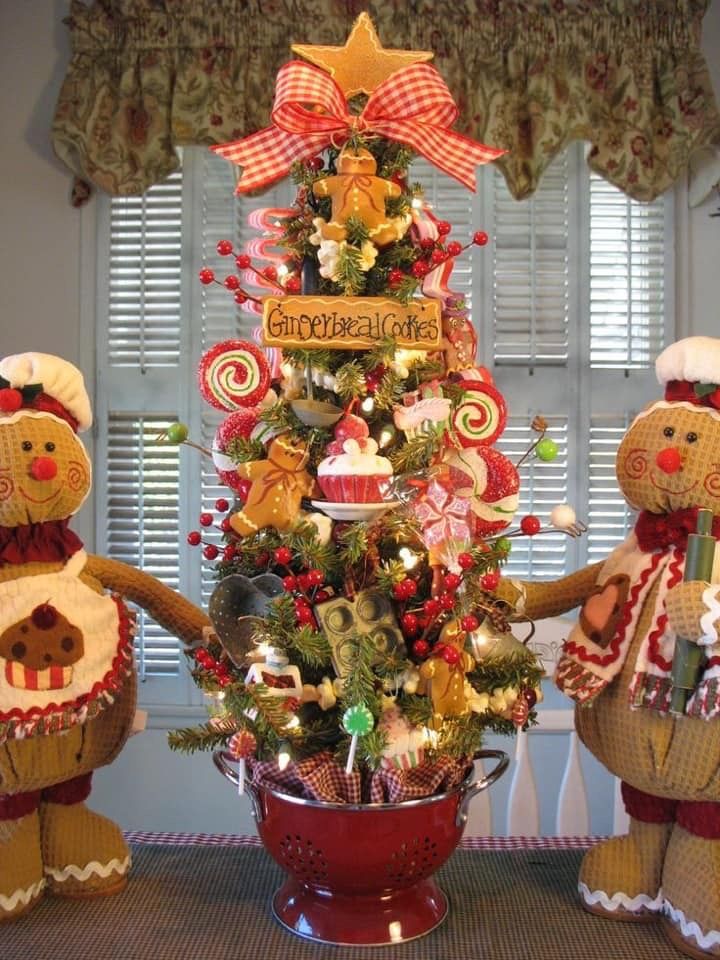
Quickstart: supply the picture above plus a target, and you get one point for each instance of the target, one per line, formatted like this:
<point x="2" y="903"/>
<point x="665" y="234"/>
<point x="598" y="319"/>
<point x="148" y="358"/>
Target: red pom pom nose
<point x="43" y="468"/>
<point x="669" y="460"/>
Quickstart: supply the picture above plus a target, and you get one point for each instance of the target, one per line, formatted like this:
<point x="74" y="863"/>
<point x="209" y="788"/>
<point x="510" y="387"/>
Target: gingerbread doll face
<point x="289" y="454"/>
<point x="670" y="459"/>
<point x="44" y="470"/>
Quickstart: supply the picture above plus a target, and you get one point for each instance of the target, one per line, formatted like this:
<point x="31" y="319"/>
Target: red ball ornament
<point x="240" y="297"/>
<point x="432" y="607"/>
<point x="451" y="655"/>
<point x="290" y="583"/>
<point x="321" y="596"/>
<point x="231" y="282"/>
<point x="222" y="505"/>
<point x="480" y="238"/>
<point x="452" y="581"/>
<point x="194" y="538"/>
<point x="270" y="273"/>
<point x="421" y="648"/>
<point x="454" y="248"/>
<point x="225" y="525"/>
<point x="419" y="269"/>
<point x="304" y="582"/>
<point x="410" y="624"/>
<point x="438" y="256"/>
<point x="669" y="460"/>
<point x="427" y="243"/>
<point x="283" y="555"/>
<point x="224" y="248"/>
<point x="10" y="400"/>
<point x="395" y="277"/>
<point x="243" y="261"/>
<point x="229" y="553"/>
<point x="303" y="613"/>
<point x="489" y="581"/>
<point x="292" y="284"/>
<point x="443" y="227"/>
<point x="210" y="552"/>
<point x="465" y="561"/>
<point x="446" y="601"/>
<point x="314" y="164"/>
<point x="530" y="525"/>
<point x="316" y="578"/>
<point x="206" y="519"/>
<point x="470" y="622"/>
<point x="206" y="276"/>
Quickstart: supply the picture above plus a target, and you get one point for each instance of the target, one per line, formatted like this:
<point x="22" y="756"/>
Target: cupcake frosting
<point x="359" y="458"/>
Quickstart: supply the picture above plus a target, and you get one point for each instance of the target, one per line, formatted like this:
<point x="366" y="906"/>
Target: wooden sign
<point x="350" y="323"/>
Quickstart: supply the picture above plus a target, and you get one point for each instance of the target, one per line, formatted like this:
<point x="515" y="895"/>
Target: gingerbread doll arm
<point x="173" y="611"/>
<point x="252" y="469"/>
<point x="537" y="601"/>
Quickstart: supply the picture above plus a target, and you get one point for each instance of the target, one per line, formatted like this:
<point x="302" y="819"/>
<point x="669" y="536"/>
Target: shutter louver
<point x="627" y="278"/>
<point x="610" y="519"/>
<point x="145" y="276"/>
<point x="142" y="521"/>
<point x="542" y="486"/>
<point x="530" y="271"/>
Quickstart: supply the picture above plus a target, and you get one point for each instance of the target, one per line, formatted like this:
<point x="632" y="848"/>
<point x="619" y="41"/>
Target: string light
<point x="368" y="405"/>
<point x="409" y="559"/>
<point x="283" y="758"/>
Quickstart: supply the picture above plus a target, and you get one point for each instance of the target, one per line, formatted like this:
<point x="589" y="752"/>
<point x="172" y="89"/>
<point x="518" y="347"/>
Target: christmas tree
<point x="357" y="630"/>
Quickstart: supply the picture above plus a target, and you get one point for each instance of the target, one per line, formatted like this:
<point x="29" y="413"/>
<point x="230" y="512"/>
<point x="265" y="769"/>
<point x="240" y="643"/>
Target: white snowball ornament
<point x="563" y="516"/>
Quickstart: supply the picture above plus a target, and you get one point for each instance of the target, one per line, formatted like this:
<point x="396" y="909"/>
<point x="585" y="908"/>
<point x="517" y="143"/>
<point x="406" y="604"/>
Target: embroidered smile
<point x="669" y="489"/>
<point x="43" y="500"/>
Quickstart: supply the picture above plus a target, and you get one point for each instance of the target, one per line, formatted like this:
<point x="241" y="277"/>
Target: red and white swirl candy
<point x="481" y="417"/>
<point x="233" y="374"/>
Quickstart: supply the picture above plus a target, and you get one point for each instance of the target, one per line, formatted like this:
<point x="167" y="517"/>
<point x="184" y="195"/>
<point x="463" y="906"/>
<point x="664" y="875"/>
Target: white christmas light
<point x="282" y="271"/>
<point x="284" y="755"/>
<point x="409" y="559"/>
<point x="368" y="405"/>
<point x="417" y="203"/>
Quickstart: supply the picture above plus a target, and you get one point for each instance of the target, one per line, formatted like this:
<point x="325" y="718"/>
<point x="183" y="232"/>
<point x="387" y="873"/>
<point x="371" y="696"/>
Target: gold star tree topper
<point x="363" y="63"/>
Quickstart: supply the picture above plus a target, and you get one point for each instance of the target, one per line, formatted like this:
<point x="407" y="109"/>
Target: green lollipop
<point x="357" y="721"/>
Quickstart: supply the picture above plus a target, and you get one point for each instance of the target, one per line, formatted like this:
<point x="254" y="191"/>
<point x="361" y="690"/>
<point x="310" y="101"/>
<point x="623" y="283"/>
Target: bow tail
<point x="451" y="152"/>
<point x="267" y="156"/>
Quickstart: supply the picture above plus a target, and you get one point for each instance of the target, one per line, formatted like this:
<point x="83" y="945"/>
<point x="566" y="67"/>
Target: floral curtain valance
<point x="626" y="75"/>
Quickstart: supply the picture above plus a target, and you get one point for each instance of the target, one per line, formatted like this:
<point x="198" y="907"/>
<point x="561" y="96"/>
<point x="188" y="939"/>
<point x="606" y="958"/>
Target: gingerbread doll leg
<point x="84" y="854"/>
<point x="691" y="880"/>
<point x="21" y="871"/>
<point x="620" y="878"/>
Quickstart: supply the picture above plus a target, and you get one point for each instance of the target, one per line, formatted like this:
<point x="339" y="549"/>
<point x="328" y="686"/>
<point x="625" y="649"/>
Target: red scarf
<point x="47" y="542"/>
<point x="658" y="531"/>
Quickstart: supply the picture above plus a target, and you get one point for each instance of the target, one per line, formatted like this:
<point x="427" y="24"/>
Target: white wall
<point x="44" y="286"/>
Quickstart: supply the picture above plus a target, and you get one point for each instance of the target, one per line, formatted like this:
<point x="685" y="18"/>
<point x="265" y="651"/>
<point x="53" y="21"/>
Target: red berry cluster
<point x="218" y="667"/>
<point x="434" y="252"/>
<point x="308" y="587"/>
<point x="244" y="262"/>
<point x="210" y="550"/>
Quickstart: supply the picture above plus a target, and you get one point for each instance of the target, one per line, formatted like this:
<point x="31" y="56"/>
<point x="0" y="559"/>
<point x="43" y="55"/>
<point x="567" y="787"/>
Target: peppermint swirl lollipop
<point x="233" y="374"/>
<point x="242" y="745"/>
<point x="480" y="419"/>
<point x="357" y="721"/>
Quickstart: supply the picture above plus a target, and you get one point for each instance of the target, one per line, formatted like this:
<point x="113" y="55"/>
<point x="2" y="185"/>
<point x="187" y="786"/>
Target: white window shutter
<point x="610" y="518"/>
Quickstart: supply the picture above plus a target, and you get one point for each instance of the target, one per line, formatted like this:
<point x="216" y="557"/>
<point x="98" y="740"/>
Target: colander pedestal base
<point x="360" y="920"/>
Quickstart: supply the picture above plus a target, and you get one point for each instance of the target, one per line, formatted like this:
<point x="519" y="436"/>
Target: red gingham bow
<point x="413" y="106"/>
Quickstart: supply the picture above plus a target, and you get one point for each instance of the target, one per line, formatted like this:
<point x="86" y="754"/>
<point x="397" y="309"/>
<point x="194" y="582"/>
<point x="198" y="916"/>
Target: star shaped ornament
<point x="363" y="63"/>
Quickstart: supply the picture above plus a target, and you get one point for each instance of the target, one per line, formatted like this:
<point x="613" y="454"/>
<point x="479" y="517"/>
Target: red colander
<point x="361" y="874"/>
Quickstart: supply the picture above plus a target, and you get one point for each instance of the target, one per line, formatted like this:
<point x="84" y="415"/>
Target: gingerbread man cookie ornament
<point x="278" y="485"/>
<point x="445" y="670"/>
<point x="357" y="192"/>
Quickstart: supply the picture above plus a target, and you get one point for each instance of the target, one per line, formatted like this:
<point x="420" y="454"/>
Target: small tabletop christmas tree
<point x="358" y="644"/>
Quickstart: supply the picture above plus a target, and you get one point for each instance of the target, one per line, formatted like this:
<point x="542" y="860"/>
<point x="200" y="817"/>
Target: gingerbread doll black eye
<point x="691" y="437"/>
<point x="49" y="446"/>
<point x="669" y="432"/>
<point x="26" y="445"/>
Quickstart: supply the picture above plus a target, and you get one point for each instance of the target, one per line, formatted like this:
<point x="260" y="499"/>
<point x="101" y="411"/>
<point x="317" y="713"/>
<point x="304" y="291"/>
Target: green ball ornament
<point x="504" y="545"/>
<point x="177" y="433"/>
<point x="546" y="450"/>
<point x="358" y="720"/>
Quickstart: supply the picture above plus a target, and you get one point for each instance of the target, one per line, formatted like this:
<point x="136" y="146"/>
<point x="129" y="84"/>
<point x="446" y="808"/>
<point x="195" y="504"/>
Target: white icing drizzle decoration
<point x="689" y="928"/>
<point x="620" y="901"/>
<point x="8" y="904"/>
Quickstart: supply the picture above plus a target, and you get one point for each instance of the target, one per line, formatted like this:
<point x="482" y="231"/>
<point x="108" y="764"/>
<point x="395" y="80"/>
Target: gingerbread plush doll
<point x="67" y="683"/>
<point x="617" y="663"/>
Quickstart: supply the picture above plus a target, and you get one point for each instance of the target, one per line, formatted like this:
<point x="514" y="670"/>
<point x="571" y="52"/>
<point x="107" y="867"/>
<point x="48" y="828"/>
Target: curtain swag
<point x="627" y="76"/>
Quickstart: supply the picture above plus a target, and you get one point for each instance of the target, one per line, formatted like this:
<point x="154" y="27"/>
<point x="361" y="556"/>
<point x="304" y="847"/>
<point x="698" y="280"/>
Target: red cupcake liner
<point x="349" y="489"/>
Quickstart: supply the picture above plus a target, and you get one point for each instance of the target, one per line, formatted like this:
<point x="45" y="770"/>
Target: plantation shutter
<point x="140" y="377"/>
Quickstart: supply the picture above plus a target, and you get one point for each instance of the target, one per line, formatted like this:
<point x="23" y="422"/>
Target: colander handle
<point x="473" y="788"/>
<point x="221" y="760"/>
